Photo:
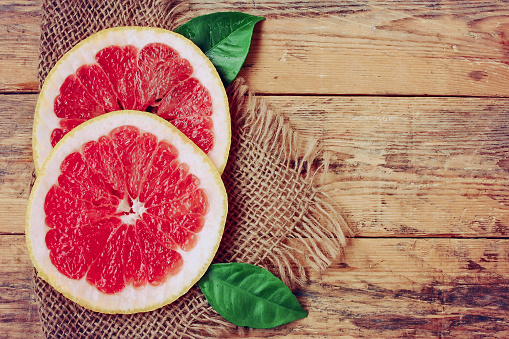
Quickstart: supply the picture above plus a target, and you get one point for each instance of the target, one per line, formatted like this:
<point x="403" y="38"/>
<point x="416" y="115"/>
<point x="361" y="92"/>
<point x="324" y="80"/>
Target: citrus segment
<point x="119" y="64"/>
<point x="159" y="69"/>
<point x="198" y="129"/>
<point x="63" y="209"/>
<point x="106" y="271"/>
<point x="74" y="102"/>
<point x="72" y="249"/>
<point x="161" y="260"/>
<point x="186" y="99"/>
<point x="97" y="84"/>
<point x="133" y="259"/>
<point x="82" y="183"/>
<point x="138" y="68"/>
<point x="119" y="209"/>
<point x="162" y="167"/>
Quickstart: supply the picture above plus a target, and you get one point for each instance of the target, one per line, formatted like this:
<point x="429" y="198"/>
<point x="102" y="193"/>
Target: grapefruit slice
<point x="126" y="213"/>
<point x="135" y="68"/>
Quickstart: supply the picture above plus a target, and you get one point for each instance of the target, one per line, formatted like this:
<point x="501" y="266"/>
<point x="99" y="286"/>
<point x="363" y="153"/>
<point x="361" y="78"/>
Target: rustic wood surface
<point x="411" y="100"/>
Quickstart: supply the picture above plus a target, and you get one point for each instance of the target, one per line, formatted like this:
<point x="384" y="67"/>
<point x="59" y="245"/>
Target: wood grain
<point x="390" y="287"/>
<point x="19" y="316"/>
<point x="398" y="54"/>
<point x="412" y="166"/>
<point x="19" y="45"/>
<point x="422" y="287"/>
<point x="410" y="100"/>
<point x="16" y="117"/>
<point x="448" y="48"/>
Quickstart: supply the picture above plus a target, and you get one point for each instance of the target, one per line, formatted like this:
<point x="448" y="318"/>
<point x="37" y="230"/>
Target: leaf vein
<point x="225" y="38"/>
<point x="258" y="297"/>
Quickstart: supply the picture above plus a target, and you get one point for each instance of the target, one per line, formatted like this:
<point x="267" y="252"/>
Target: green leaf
<point x="248" y="295"/>
<point x="224" y="37"/>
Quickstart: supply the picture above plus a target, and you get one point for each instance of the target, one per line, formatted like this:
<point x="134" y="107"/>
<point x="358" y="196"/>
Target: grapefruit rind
<point x="196" y="261"/>
<point x="84" y="53"/>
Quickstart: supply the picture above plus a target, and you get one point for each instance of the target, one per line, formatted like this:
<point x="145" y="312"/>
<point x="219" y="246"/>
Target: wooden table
<point x="412" y="98"/>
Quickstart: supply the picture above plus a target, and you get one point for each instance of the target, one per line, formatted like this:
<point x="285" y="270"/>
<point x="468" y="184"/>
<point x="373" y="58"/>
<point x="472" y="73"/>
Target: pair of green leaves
<point x="245" y="295"/>
<point x="224" y="37"/>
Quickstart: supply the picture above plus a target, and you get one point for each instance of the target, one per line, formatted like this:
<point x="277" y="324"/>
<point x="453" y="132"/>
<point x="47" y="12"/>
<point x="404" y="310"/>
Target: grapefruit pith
<point x="126" y="213"/>
<point x="135" y="68"/>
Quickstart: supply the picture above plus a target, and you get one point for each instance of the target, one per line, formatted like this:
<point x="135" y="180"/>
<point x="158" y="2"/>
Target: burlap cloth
<point x="277" y="218"/>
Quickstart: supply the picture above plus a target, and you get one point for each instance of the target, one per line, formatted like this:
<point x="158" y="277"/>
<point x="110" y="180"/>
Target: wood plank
<point x="412" y="166"/>
<point x="16" y="166"/>
<point x="19" y="317"/>
<point x="378" y="53"/>
<point x="16" y="119"/>
<point x="394" y="288"/>
<point x="373" y="47"/>
<point x="19" y="45"/>
<point x="400" y="166"/>
<point x="12" y="215"/>
<point x="383" y="288"/>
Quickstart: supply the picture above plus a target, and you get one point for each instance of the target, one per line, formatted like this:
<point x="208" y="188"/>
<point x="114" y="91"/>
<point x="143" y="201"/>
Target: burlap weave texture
<point x="277" y="218"/>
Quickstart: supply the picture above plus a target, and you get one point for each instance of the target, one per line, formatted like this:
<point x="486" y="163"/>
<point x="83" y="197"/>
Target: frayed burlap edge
<point x="319" y="234"/>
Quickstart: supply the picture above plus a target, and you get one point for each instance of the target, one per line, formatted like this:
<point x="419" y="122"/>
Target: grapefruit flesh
<point x="135" y="68"/>
<point x="115" y="253"/>
<point x="125" y="78"/>
<point x="122" y="210"/>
